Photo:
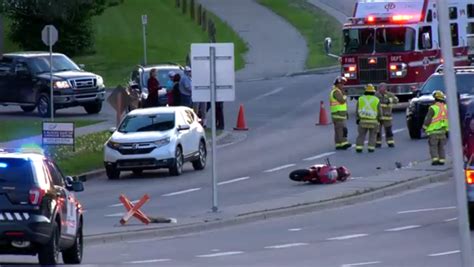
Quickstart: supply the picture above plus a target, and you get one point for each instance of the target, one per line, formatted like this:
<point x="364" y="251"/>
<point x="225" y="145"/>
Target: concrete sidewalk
<point x="276" y="48"/>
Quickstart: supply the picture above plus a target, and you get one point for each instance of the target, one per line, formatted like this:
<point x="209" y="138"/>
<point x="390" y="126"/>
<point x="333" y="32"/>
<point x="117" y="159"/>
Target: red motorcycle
<point x="321" y="174"/>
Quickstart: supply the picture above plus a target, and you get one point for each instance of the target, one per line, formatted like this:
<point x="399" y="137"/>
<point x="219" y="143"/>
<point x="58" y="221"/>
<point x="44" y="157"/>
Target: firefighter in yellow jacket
<point x="436" y="127"/>
<point x="387" y="100"/>
<point x="368" y="117"/>
<point x="338" y="103"/>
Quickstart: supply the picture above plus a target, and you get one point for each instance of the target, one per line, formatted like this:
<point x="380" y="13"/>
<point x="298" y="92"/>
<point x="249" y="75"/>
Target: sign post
<point x="49" y="35"/>
<point x="144" y="23"/>
<point x="213" y="80"/>
<point x="455" y="132"/>
<point x="2" y="33"/>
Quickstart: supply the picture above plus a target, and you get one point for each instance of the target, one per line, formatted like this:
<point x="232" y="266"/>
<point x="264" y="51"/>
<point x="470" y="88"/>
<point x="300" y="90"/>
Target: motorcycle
<point x="321" y="174"/>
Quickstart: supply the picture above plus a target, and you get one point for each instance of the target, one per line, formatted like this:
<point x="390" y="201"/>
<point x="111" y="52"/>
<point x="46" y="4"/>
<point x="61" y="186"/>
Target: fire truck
<point x="397" y="42"/>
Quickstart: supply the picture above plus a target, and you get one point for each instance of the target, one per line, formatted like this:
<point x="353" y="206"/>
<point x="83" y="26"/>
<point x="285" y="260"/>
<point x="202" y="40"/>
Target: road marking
<point x="398" y="130"/>
<point x="147" y="261"/>
<point x="276" y="91"/>
<point x="120" y="204"/>
<point x="345" y="237"/>
<point x="423" y="210"/>
<point x="181" y="192"/>
<point x="361" y="263"/>
<point x="444" y="253"/>
<point x="234" y="180"/>
<point x="452" y="219"/>
<point x="294" y="229"/>
<point x="403" y="228"/>
<point x="291" y="245"/>
<point x="320" y="156"/>
<point x="280" y="168"/>
<point x="115" y="215"/>
<point x="220" y="254"/>
<point x="215" y="250"/>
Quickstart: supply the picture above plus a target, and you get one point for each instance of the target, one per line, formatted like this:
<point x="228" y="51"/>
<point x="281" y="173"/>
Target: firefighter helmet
<point x="439" y="95"/>
<point x="370" y="88"/>
<point x="339" y="80"/>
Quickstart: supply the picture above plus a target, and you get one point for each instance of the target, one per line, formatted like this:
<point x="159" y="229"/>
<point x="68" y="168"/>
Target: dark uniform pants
<point x="340" y="132"/>
<point x="363" y="130"/>
<point x="437" y="144"/>
<point x="387" y="126"/>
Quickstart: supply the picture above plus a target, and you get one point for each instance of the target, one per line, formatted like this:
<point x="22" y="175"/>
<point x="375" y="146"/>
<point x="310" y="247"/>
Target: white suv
<point x="154" y="138"/>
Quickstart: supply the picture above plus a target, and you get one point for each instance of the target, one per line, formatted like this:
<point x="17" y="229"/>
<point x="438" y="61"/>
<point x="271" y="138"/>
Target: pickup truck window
<point x="60" y="63"/>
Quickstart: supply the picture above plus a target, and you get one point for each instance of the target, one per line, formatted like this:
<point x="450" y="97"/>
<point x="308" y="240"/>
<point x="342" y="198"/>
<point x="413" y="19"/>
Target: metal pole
<point x="455" y="131"/>
<point x="1" y="36"/>
<point x="51" y="73"/>
<point x="212" y="52"/>
<point x="144" y="45"/>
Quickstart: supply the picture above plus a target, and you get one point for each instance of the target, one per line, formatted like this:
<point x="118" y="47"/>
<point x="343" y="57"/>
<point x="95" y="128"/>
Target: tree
<point x="72" y="18"/>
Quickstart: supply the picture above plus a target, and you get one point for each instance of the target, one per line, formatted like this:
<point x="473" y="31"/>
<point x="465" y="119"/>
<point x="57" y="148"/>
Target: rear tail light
<point x="36" y="196"/>
<point x="15" y="234"/>
<point x="470" y="177"/>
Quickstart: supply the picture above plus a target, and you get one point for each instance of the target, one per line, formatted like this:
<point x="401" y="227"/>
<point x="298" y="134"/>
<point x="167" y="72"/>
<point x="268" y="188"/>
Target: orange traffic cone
<point x="323" y="117"/>
<point x="241" y="125"/>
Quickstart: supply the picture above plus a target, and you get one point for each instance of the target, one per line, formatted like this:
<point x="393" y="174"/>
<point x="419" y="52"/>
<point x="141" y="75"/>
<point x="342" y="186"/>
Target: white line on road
<point x="444" y="253"/>
<point x="291" y="245"/>
<point x="361" y="263"/>
<point x="345" y="237"/>
<point x="398" y="130"/>
<point x="147" y="261"/>
<point x="120" y="214"/>
<point x="423" y="210"/>
<point x="294" y="229"/>
<point x="234" y="180"/>
<point x="320" y="156"/>
<point x="276" y="91"/>
<point x="220" y="254"/>
<point x="280" y="168"/>
<point x="181" y="192"/>
<point x="403" y="228"/>
<point x="120" y="204"/>
<point x="452" y="219"/>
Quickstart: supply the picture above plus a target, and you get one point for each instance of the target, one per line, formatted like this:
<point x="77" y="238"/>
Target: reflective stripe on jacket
<point x="439" y="122"/>
<point x="368" y="108"/>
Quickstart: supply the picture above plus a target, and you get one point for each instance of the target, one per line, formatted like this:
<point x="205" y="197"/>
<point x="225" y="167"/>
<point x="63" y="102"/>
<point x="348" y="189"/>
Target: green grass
<point x="18" y="129"/>
<point x="314" y="24"/>
<point x="119" y="43"/>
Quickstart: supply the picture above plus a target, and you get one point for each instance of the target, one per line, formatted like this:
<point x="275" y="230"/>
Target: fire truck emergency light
<point x="403" y="18"/>
<point x="373" y="61"/>
<point x="371" y="19"/>
<point x="470" y="176"/>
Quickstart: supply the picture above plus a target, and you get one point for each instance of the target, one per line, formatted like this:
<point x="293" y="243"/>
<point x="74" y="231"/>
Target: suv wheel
<point x="470" y="207"/>
<point x="112" y="172"/>
<point x="177" y="167"/>
<point x="27" y="108"/>
<point x="43" y="104"/>
<point x="48" y="253"/>
<point x="73" y="255"/>
<point x="93" y="108"/>
<point x="413" y="130"/>
<point x="200" y="163"/>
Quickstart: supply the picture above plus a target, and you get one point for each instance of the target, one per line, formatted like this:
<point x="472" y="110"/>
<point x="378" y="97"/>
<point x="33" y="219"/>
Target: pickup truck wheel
<point x="43" y="104"/>
<point x="93" y="108"/>
<point x="27" y="108"/>
<point x="73" y="255"/>
<point x="48" y="254"/>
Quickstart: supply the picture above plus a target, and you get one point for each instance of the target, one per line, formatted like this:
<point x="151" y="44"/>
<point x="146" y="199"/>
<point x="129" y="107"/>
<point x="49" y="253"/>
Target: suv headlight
<point x="113" y="145"/>
<point x="61" y="85"/>
<point x="162" y="142"/>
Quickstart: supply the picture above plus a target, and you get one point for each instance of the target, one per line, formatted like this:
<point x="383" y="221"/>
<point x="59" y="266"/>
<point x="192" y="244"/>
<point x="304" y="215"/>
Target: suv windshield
<point x="464" y="82"/>
<point x="390" y="39"/>
<point x="148" y="123"/>
<point x="15" y="170"/>
<point x="60" y="63"/>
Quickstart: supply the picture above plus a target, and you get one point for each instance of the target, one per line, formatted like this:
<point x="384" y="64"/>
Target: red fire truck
<point x="397" y="42"/>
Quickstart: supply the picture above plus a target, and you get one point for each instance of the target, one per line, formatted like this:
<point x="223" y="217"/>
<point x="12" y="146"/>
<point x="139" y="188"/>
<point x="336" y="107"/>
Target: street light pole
<point x="455" y="131"/>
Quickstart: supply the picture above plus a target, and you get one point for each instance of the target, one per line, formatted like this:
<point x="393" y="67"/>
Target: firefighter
<point x="436" y="127"/>
<point x="338" y="102"/>
<point x="368" y="117"/>
<point x="387" y="100"/>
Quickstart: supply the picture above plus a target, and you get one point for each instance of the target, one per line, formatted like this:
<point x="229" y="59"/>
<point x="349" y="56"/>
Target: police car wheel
<point x="48" y="253"/>
<point x="73" y="255"/>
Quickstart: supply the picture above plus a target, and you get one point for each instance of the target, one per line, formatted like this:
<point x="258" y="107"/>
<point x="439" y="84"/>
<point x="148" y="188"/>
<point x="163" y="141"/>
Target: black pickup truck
<point x="25" y="81"/>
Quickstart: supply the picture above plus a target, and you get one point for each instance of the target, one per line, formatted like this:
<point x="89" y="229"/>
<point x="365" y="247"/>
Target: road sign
<point x="225" y="72"/>
<point x="49" y="35"/>
<point x="58" y="133"/>
<point x="144" y="19"/>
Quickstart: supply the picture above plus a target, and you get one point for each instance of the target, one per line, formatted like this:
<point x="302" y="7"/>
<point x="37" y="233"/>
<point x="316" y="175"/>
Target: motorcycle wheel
<point x="299" y="175"/>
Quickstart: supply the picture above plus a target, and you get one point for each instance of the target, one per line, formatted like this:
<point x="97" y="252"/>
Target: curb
<point x="325" y="70"/>
<point x="354" y="198"/>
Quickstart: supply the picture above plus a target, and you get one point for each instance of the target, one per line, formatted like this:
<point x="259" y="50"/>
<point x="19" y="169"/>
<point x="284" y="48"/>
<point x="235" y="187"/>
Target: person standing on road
<point x="387" y="100"/>
<point x="338" y="102"/>
<point x="185" y="88"/>
<point x="176" y="94"/>
<point x="169" y="87"/>
<point x="368" y="117"/>
<point x="153" y="86"/>
<point x="436" y="127"/>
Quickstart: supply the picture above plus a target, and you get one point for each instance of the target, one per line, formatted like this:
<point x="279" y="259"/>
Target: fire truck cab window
<point x="429" y="16"/>
<point x="358" y="41"/>
<point x="424" y="36"/>
<point x="470" y="11"/>
<point x="396" y="39"/>
<point x="453" y="13"/>
<point x="454" y="34"/>
<point x="470" y="28"/>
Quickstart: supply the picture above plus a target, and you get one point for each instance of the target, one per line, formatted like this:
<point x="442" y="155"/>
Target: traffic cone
<point x="241" y="125"/>
<point x="323" y="117"/>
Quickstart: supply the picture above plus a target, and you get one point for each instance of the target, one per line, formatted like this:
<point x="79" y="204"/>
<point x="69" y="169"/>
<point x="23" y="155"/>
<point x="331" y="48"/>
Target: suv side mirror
<point x="183" y="127"/>
<point x="73" y="185"/>
<point x="82" y="66"/>
<point x="112" y="129"/>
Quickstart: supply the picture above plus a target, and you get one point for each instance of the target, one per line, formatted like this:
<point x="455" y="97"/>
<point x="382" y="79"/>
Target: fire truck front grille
<point x="373" y="72"/>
